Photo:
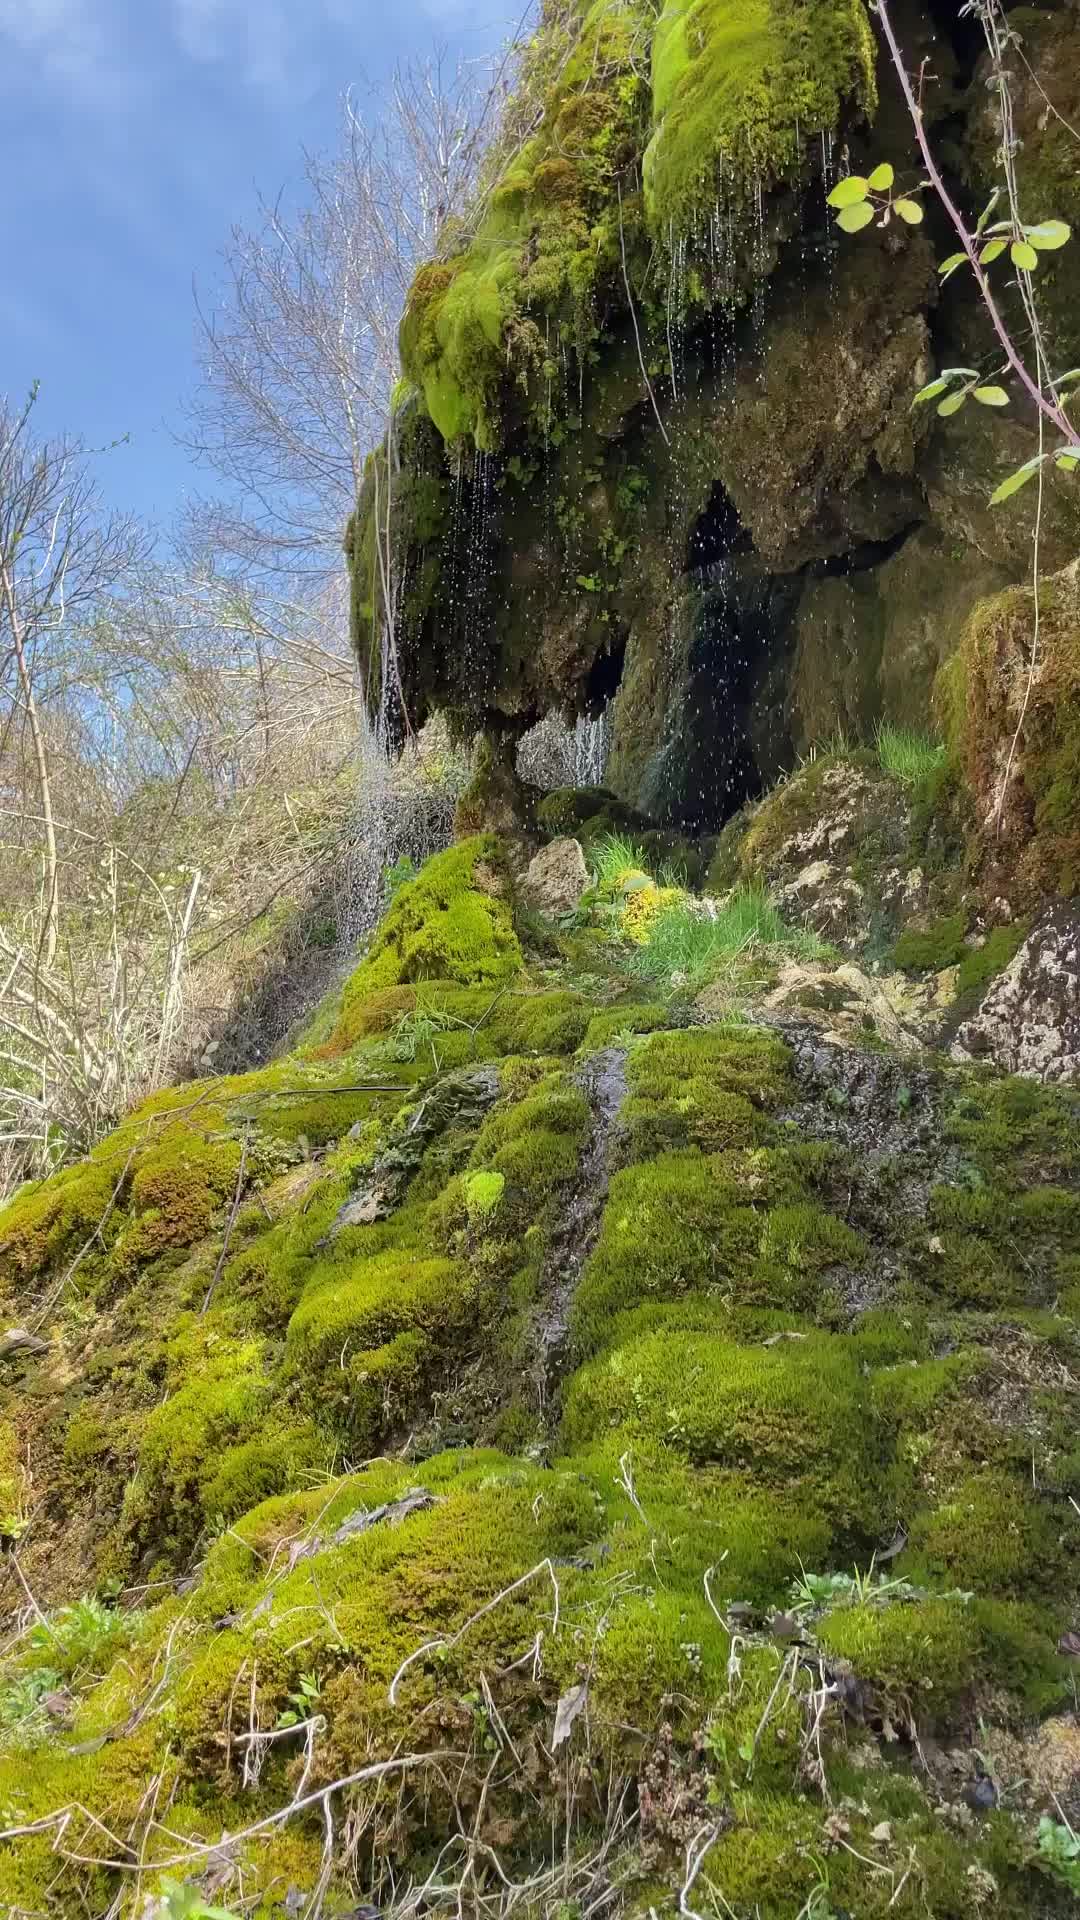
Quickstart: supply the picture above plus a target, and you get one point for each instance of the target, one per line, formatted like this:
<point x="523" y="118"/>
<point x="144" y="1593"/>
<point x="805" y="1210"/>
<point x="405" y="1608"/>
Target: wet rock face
<point x="1029" y="1021"/>
<point x="832" y="846"/>
<point x="758" y="543"/>
<point x="556" y="878"/>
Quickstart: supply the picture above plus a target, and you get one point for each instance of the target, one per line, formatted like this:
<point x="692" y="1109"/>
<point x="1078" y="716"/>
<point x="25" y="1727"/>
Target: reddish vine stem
<point x="1052" y="410"/>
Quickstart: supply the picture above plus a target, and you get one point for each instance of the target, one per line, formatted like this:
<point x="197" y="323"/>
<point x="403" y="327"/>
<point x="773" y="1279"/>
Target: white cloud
<point x="268" y="44"/>
<point x="71" y="44"/>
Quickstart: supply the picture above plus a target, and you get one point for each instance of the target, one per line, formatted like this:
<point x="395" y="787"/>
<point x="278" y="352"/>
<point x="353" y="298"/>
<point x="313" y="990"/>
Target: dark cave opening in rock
<point x="716" y="534"/>
<point x="602" y="681"/>
<point x="730" y="740"/>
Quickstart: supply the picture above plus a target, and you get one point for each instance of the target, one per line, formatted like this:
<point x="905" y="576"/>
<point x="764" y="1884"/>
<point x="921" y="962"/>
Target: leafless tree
<point x="58" y="551"/>
<point x="299" y="356"/>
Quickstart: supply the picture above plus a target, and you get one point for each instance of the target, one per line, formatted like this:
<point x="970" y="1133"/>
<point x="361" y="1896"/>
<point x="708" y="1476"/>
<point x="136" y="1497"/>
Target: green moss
<point x="744" y="1227"/>
<point x="1036" y="829"/>
<point x="738" y="85"/>
<point x="546" y="1023"/>
<point x="705" y="1087"/>
<point x="175" y="1192"/>
<point x="920" y="1657"/>
<point x="995" y="1536"/>
<point x="393" y="1292"/>
<point x="933" y="949"/>
<point x="983" y="964"/>
<point x="535" y="1145"/>
<point x="387" y="1590"/>
<point x="670" y="1228"/>
<point x="608" y="1028"/>
<point x="440" y="926"/>
<point x="44" y="1220"/>
<point x="1014" y="1131"/>
<point x="797" y="1415"/>
<point x="13" y="1484"/>
<point x="546" y="242"/>
<point x="483" y="1192"/>
<point x="184" y="1446"/>
<point x="568" y="809"/>
<point x="251" y="1472"/>
<point x="415" y="477"/>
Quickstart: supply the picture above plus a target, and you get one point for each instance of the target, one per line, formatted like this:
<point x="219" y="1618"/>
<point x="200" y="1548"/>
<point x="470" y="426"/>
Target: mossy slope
<point x="798" y="1339"/>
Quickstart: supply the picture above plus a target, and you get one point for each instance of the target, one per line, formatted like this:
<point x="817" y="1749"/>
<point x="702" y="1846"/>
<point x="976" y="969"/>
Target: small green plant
<point x="22" y="1710"/>
<point x="416" y="1033"/>
<point x="864" y="200"/>
<point x="1059" y="1852"/>
<point x="910" y="757"/>
<point x="395" y="877"/>
<point x="819" y="1592"/>
<point x="182" y="1901"/>
<point x="859" y="200"/>
<point x="84" y="1635"/>
<point x="303" y="1701"/>
<point x="483" y="1191"/>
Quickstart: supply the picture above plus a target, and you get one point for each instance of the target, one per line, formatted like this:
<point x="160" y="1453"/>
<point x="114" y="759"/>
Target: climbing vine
<point x="864" y="200"/>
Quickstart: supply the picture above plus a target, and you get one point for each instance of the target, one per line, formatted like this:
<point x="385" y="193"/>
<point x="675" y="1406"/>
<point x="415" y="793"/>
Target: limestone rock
<point x="1029" y="1021"/>
<point x="556" y="878"/>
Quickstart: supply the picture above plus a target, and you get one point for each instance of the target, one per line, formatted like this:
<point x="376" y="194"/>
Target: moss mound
<point x="453" y="923"/>
<point x="737" y="87"/>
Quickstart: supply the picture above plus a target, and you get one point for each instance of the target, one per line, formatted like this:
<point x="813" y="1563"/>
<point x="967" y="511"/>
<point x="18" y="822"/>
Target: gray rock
<point x="1029" y="1019"/>
<point x="556" y="879"/>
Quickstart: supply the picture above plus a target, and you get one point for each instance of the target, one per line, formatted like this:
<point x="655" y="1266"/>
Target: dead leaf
<point x="1069" y="1644"/>
<point x="567" y="1711"/>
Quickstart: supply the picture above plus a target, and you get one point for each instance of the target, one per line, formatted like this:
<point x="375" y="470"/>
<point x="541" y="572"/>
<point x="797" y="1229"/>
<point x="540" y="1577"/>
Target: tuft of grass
<point x="696" y="948"/>
<point x="910" y="757"/>
<point x="613" y="857"/>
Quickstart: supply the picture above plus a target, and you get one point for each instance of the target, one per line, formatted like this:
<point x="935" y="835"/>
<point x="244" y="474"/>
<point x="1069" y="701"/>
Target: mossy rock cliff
<point x="657" y="455"/>
<point x="536" y="1434"/>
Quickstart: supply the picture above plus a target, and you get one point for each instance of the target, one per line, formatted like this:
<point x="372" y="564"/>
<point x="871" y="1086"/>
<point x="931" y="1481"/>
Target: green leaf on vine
<point x="950" y="265"/>
<point x="988" y="209"/>
<point x="882" y="178"/>
<point x="954" y="402"/>
<point x="1068" y="460"/>
<point x="910" y="211"/>
<point x="992" y="396"/>
<point x="1048" y="235"/>
<point x="1023" y="256"/>
<point x="929" y="392"/>
<point x="847" y="193"/>
<point x="1016" y="480"/>
<point x="1065" y="379"/>
<point x="991" y="252"/>
<point x="854" y="218"/>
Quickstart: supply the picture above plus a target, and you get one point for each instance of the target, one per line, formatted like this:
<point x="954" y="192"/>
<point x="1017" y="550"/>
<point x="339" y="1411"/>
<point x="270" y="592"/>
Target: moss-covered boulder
<point x="1011" y="701"/>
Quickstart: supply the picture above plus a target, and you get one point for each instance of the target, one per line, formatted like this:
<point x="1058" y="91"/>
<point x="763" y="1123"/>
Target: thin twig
<point x="429" y="1646"/>
<point x="224" y="1254"/>
<point x="637" y="330"/>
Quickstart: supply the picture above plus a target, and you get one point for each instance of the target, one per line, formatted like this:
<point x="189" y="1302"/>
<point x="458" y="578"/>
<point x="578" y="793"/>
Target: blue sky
<point x="133" y="135"/>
